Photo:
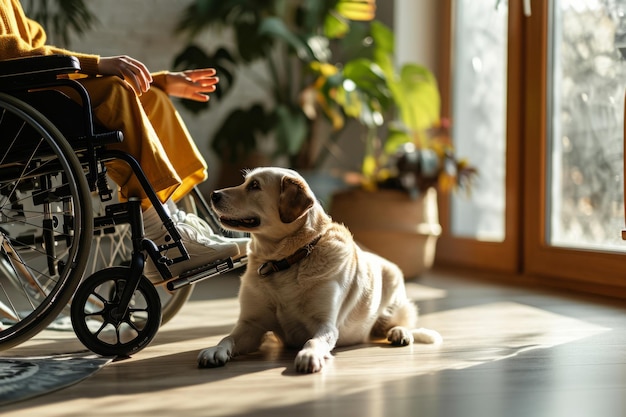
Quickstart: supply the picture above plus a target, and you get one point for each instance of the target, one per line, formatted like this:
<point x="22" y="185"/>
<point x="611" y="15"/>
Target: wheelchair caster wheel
<point x="96" y="322"/>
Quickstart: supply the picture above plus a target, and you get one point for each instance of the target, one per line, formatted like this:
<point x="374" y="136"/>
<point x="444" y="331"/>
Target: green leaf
<point x="334" y="27"/>
<point x="291" y="129"/>
<point x="236" y="137"/>
<point x="418" y="97"/>
<point x="276" y="28"/>
<point x="251" y="44"/>
<point x="311" y="15"/>
<point x="363" y="93"/>
<point x="383" y="37"/>
<point x="357" y="43"/>
<point x="414" y="89"/>
<point x="369" y="80"/>
<point x="383" y="48"/>
<point x="395" y="139"/>
<point x="350" y="102"/>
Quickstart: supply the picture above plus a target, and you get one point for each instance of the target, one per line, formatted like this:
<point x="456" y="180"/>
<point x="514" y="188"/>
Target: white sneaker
<point x="202" y="251"/>
<point x="192" y="220"/>
<point x="180" y="217"/>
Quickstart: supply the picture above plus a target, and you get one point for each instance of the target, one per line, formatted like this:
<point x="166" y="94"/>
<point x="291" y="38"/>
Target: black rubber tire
<point x="34" y="285"/>
<point x="96" y="300"/>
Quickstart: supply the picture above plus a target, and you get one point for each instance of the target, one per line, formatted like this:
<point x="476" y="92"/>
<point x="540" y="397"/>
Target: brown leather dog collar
<point x="269" y="267"/>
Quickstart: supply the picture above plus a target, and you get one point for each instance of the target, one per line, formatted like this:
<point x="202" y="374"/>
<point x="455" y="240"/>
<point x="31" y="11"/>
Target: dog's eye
<point x="253" y="185"/>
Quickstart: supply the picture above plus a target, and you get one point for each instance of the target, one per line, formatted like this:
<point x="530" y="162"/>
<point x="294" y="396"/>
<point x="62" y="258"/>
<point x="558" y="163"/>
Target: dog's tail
<point x="423" y="335"/>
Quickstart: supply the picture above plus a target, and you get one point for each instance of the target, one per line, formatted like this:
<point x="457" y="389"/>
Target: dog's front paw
<point x="309" y="361"/>
<point x="400" y="336"/>
<point x="213" y="357"/>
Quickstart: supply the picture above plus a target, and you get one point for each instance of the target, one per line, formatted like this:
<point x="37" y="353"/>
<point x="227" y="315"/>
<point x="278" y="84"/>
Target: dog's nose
<point x="216" y="196"/>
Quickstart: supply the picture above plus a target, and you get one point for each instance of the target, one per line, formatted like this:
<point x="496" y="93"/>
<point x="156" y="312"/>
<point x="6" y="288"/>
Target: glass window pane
<point x="479" y="115"/>
<point x="585" y="189"/>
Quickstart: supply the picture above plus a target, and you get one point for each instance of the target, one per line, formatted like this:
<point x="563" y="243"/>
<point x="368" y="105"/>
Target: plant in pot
<point x="328" y="62"/>
<point x="391" y="207"/>
<point x="289" y="48"/>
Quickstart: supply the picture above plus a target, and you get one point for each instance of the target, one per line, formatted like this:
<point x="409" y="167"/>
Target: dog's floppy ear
<point x="294" y="201"/>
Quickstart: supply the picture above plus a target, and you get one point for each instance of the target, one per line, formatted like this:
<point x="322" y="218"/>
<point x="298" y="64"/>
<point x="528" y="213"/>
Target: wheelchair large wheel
<point x="45" y="221"/>
<point x="95" y="313"/>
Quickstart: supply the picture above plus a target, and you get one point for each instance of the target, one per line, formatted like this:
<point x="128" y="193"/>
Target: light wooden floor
<point x="507" y="351"/>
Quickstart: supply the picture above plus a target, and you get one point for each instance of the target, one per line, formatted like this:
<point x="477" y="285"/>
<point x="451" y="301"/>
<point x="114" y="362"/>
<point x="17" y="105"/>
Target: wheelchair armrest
<point x="19" y="72"/>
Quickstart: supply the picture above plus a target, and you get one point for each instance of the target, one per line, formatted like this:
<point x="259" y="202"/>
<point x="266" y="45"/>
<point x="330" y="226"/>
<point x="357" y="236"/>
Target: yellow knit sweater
<point x="21" y="36"/>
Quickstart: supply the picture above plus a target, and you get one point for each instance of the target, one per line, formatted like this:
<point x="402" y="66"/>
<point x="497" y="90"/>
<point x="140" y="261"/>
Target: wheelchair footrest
<point x="200" y="273"/>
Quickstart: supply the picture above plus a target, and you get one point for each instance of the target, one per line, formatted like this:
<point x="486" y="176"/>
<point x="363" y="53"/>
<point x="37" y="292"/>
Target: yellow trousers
<point x="154" y="134"/>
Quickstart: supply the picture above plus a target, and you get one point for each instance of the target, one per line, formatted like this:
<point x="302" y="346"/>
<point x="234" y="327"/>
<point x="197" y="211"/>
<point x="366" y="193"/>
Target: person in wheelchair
<point x="126" y="96"/>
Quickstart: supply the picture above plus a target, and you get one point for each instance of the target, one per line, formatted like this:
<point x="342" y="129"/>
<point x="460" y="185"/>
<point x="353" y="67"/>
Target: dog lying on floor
<point x="306" y="280"/>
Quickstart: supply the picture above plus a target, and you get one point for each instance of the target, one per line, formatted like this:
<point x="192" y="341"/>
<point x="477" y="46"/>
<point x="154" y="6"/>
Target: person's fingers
<point x="202" y="78"/>
<point x="192" y="84"/>
<point x="203" y="86"/>
<point x="137" y="74"/>
<point x="133" y="71"/>
<point x="199" y="97"/>
<point x="198" y="74"/>
<point x="203" y="94"/>
<point x="211" y="82"/>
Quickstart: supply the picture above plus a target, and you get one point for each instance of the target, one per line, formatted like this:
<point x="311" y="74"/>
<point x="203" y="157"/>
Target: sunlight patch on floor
<point x="473" y="336"/>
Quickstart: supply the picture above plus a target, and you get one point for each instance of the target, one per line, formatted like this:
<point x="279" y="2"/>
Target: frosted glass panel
<point x="588" y="78"/>
<point x="479" y="115"/>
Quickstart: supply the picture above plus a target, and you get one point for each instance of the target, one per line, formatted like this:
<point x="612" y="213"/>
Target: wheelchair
<point x="52" y="164"/>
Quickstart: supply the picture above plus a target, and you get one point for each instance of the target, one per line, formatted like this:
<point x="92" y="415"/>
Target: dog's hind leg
<point x="397" y="324"/>
<point x="394" y="322"/>
<point x="423" y="335"/>
<point x="397" y="321"/>
<point x="401" y="328"/>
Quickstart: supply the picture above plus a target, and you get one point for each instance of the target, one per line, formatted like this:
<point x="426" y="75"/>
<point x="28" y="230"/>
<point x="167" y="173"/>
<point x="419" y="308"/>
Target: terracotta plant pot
<point x="392" y="225"/>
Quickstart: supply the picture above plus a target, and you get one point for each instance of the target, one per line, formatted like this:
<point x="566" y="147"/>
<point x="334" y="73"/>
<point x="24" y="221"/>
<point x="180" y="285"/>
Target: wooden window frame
<point x="524" y="250"/>
<point x="499" y="256"/>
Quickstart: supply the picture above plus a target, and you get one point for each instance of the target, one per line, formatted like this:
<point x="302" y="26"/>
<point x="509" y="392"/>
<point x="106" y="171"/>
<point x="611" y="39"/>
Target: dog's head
<point x="270" y="201"/>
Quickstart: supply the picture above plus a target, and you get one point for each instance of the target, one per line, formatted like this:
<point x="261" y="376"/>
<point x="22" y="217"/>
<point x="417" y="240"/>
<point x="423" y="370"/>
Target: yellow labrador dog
<point x="306" y="279"/>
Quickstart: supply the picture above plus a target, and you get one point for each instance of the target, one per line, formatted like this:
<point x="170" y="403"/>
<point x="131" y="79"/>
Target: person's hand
<point x="131" y="70"/>
<point x="192" y="84"/>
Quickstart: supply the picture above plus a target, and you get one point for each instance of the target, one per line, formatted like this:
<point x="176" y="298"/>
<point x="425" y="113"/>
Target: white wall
<point x="416" y="27"/>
